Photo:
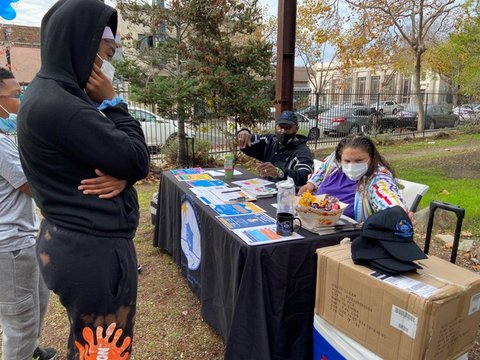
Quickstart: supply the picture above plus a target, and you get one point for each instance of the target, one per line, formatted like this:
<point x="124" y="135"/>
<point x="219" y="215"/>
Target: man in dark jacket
<point x="284" y="154"/>
<point x="71" y="127"/>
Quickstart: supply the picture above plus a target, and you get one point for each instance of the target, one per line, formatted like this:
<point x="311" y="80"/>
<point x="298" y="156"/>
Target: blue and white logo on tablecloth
<point x="190" y="234"/>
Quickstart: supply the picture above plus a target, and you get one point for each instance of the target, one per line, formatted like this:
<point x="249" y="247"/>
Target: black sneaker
<point x="44" y="354"/>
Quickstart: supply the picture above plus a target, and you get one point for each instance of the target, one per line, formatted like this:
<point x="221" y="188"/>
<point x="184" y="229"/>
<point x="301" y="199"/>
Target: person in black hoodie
<point x="284" y="154"/>
<point x="72" y="127"/>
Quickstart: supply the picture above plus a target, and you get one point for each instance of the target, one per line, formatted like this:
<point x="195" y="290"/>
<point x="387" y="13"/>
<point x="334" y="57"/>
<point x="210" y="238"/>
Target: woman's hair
<point x="363" y="143"/>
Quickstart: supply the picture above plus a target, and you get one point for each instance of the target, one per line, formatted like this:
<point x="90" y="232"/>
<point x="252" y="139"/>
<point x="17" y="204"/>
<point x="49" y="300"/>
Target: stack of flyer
<point x="234" y="207"/>
<point x="257" y="187"/>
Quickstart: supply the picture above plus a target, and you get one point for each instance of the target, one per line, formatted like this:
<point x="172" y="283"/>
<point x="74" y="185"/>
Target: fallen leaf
<point x="476" y="267"/>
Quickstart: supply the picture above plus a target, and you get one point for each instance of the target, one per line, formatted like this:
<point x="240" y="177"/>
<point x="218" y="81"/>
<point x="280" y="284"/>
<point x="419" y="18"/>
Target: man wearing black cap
<point x="283" y="154"/>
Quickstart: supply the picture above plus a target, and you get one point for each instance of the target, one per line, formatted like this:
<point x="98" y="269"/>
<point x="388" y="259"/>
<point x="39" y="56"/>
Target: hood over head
<point x="71" y="32"/>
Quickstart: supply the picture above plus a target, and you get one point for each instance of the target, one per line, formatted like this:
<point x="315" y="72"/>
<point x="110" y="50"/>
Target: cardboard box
<point x="431" y="314"/>
<point x="331" y="344"/>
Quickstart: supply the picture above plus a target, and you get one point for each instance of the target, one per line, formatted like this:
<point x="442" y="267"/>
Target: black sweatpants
<point x="96" y="280"/>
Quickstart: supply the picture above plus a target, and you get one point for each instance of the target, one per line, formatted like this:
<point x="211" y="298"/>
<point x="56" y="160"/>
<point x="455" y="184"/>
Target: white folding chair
<point x="412" y="193"/>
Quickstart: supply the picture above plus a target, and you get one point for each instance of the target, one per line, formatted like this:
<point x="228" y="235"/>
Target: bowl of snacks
<point x="318" y="210"/>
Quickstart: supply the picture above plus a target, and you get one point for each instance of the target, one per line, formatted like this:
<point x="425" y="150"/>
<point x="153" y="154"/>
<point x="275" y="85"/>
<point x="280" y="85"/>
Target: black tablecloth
<point x="259" y="298"/>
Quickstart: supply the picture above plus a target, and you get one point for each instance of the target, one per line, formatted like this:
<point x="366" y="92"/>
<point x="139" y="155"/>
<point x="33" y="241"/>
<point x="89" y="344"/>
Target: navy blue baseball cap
<point x="287" y="118"/>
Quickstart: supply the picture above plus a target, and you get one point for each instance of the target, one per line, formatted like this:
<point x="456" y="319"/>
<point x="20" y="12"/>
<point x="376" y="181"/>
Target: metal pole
<point x="287" y="16"/>
<point x="8" y="54"/>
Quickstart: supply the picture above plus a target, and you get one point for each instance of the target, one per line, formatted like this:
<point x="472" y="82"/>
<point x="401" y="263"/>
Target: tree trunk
<point x="418" y="95"/>
<point x="182" y="142"/>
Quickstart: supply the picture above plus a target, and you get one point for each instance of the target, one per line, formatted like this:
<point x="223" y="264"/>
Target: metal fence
<point x="323" y="118"/>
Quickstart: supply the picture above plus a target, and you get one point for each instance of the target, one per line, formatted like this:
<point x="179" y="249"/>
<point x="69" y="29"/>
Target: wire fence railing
<point x="323" y="118"/>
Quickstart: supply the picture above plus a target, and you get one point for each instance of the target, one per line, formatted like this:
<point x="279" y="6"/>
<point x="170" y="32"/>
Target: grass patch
<point x="453" y="139"/>
<point x="443" y="188"/>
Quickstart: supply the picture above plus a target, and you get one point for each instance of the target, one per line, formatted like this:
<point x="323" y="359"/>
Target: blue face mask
<point x="8" y="125"/>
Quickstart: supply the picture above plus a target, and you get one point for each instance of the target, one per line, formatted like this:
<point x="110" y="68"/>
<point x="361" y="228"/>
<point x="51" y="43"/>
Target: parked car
<point x="311" y="110"/>
<point x="309" y="126"/>
<point x="306" y="126"/>
<point x="436" y="116"/>
<point x="468" y="112"/>
<point x="387" y="107"/>
<point x="343" y="120"/>
<point x="157" y="130"/>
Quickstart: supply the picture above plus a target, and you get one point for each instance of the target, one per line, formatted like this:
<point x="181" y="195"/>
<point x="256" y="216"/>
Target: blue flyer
<point x="187" y="171"/>
<point x="246" y="221"/>
<point x="237" y="209"/>
<point x="205" y="183"/>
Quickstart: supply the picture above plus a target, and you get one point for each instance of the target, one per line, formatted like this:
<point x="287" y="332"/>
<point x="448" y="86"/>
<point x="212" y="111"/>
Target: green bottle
<point x="228" y="166"/>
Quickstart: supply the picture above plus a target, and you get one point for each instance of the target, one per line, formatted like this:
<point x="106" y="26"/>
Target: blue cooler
<point x="331" y="344"/>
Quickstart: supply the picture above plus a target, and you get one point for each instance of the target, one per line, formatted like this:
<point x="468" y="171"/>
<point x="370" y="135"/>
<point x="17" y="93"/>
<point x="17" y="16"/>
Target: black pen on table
<point x="229" y="191"/>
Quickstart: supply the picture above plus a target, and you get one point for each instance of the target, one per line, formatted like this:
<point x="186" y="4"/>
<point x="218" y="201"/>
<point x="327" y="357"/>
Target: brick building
<point x="20" y="49"/>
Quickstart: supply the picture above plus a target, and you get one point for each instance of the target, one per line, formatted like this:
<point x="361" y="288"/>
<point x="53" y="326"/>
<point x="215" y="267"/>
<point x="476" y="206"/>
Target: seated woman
<point x="358" y="175"/>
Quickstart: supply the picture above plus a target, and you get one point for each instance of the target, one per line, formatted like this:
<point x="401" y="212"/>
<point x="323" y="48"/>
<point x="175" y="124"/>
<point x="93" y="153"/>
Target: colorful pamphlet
<point x="205" y="183"/>
<point x="204" y="194"/>
<point x="187" y="171"/>
<point x="343" y="224"/>
<point x="189" y="177"/>
<point x="263" y="235"/>
<point x="237" y="209"/>
<point x="221" y="172"/>
<point x="246" y="221"/>
<point x="252" y="182"/>
<point x="230" y="195"/>
<point x="260" y="192"/>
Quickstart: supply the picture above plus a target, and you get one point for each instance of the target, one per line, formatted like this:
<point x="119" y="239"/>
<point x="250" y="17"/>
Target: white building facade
<point x="367" y="85"/>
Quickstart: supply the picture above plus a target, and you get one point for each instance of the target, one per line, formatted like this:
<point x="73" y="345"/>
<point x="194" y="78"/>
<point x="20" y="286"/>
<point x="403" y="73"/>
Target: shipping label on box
<point x="432" y="314"/>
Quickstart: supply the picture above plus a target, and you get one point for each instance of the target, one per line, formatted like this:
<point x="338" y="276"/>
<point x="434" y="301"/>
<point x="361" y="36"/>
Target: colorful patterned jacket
<point x="376" y="193"/>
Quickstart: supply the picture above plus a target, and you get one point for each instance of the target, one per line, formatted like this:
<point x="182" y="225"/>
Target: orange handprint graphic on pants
<point x="102" y="348"/>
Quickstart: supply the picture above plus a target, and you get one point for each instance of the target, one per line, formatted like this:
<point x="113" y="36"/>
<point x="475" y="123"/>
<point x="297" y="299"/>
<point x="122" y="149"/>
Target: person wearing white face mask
<point x="358" y="175"/>
<point x="73" y="130"/>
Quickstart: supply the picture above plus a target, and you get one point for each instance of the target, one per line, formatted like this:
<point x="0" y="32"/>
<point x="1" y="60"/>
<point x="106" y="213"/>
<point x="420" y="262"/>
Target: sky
<point x="30" y="12"/>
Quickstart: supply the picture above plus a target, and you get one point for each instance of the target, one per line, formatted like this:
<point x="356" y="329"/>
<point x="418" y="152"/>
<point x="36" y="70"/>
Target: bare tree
<point x="380" y="27"/>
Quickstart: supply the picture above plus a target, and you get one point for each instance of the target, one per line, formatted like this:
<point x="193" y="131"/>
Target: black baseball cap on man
<point x="287" y="118"/>
<point x="394" y="232"/>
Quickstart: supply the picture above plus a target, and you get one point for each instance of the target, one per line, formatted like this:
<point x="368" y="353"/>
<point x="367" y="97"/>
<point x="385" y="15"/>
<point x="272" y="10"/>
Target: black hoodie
<point x="63" y="137"/>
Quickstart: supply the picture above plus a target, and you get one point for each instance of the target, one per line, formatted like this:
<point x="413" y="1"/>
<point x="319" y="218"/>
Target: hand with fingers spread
<point x="244" y="139"/>
<point x="267" y="169"/>
<point x="99" y="87"/>
<point x="98" y="346"/>
<point x="105" y="186"/>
